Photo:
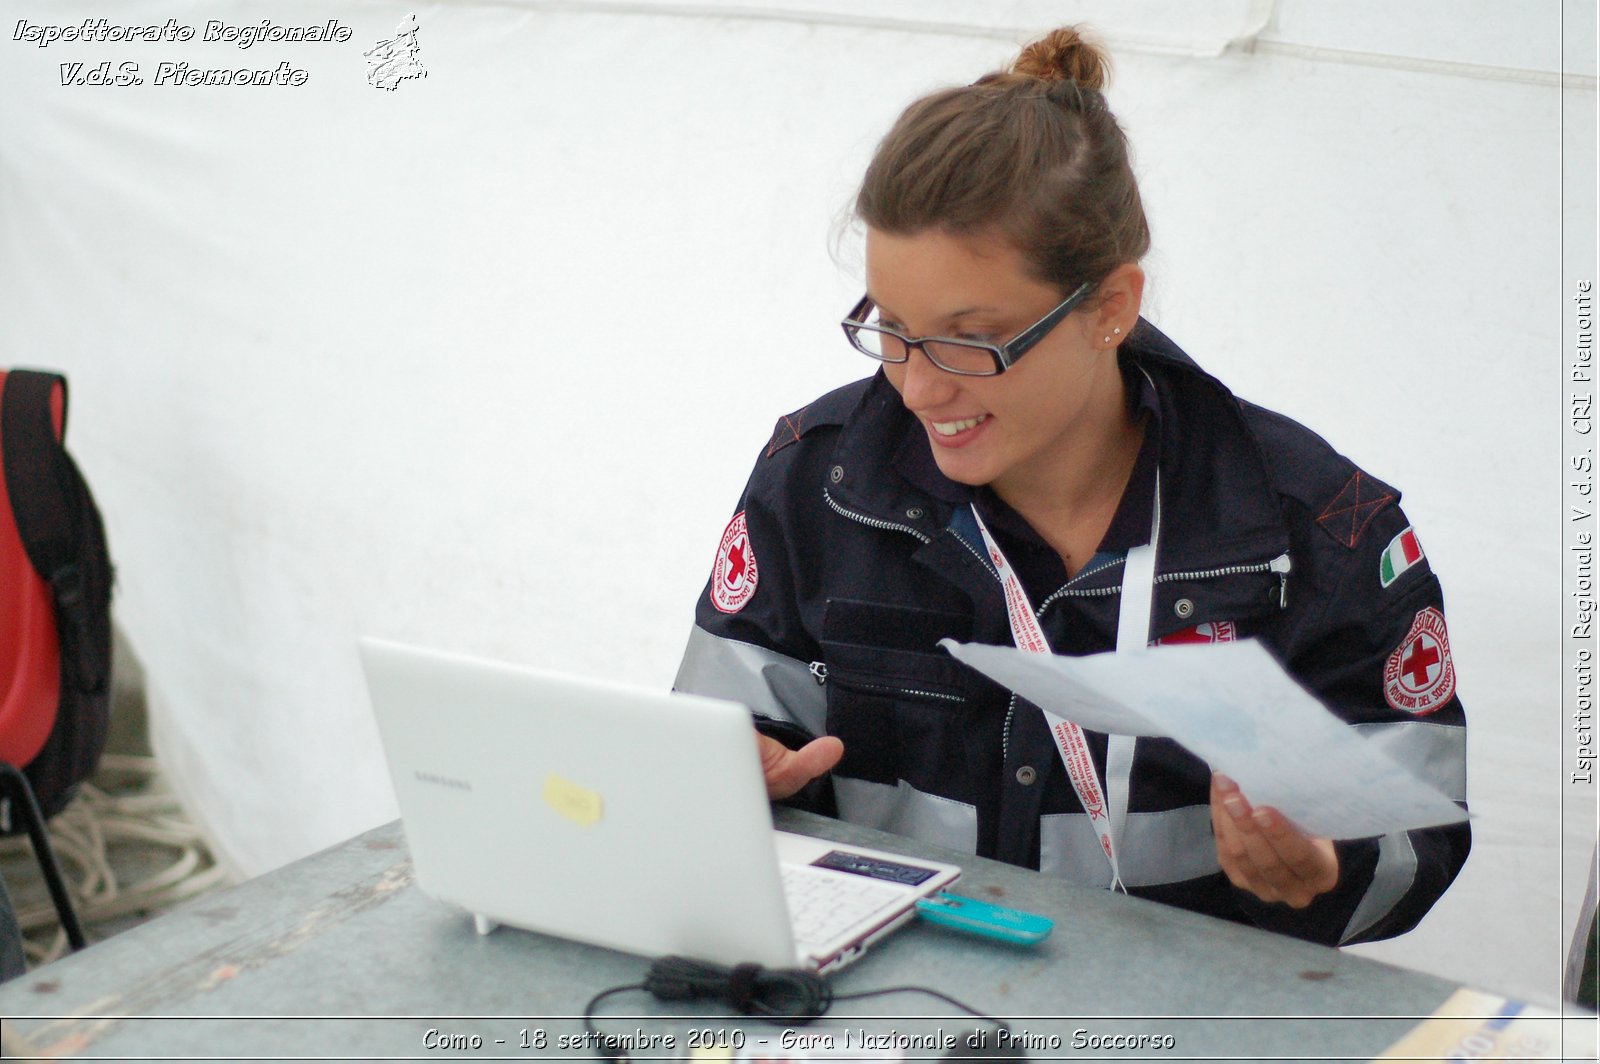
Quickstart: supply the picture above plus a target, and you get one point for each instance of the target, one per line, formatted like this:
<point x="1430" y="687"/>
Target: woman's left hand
<point x="1260" y="851"/>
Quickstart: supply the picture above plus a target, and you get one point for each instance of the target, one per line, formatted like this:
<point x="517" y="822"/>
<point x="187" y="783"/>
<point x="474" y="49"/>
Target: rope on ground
<point x="133" y="810"/>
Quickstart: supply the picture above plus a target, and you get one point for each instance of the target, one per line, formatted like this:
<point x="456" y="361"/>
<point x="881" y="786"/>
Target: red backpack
<point x="55" y="614"/>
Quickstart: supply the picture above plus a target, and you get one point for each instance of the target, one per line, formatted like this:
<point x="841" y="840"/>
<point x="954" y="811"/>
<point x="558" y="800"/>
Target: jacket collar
<point x="1219" y="508"/>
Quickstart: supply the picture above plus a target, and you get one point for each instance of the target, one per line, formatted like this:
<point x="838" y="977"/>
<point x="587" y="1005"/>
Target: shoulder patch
<point x="733" y="578"/>
<point x="1403" y="551"/>
<point x="1419" y="676"/>
<point x="1360" y="500"/>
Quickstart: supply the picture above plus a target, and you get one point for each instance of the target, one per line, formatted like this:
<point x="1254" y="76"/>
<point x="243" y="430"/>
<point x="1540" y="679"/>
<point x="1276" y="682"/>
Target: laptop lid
<point x="619" y="816"/>
<point x="611" y="815"/>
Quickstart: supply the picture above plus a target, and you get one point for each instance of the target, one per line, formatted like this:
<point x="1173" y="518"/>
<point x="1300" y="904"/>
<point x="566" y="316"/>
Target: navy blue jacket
<point x="847" y="562"/>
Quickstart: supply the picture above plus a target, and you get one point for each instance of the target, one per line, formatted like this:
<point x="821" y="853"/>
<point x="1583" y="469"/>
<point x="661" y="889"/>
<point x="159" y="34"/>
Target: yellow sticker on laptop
<point x="578" y="804"/>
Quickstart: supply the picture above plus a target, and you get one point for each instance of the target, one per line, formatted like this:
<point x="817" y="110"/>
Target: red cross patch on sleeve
<point x="733" y="578"/>
<point x="1419" y="676"/>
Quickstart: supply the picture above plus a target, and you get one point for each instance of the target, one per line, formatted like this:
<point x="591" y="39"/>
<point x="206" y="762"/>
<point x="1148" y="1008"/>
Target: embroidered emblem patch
<point x="1419" y="676"/>
<point x="1358" y="502"/>
<point x="1401" y="554"/>
<point x="1209" y="632"/>
<point x="733" y="580"/>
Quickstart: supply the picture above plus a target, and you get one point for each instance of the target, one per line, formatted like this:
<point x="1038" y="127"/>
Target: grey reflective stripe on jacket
<point x="1396" y="871"/>
<point x="771" y="684"/>
<point x="1435" y="753"/>
<point x="1166" y="846"/>
<point x="904" y="810"/>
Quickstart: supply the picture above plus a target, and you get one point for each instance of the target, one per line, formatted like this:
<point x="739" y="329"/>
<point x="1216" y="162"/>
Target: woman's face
<point x="1020" y="430"/>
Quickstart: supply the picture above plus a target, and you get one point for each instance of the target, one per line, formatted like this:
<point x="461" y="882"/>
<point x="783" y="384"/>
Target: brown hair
<point x="1031" y="152"/>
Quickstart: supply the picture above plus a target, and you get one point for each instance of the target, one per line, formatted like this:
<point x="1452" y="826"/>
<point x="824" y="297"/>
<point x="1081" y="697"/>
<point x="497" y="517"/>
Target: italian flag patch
<point x="1401" y="554"/>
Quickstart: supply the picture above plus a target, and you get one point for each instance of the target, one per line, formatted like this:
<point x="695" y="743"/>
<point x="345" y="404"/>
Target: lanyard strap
<point x="1138" y="590"/>
<point x="1133" y="632"/>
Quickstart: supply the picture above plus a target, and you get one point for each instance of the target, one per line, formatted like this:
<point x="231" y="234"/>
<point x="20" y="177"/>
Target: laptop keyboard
<point x="824" y="905"/>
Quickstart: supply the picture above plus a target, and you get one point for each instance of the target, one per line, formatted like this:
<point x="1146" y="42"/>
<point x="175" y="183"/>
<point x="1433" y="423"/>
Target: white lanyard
<point x="1138" y="591"/>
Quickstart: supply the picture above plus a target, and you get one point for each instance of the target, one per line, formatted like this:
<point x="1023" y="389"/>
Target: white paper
<point x="1233" y="706"/>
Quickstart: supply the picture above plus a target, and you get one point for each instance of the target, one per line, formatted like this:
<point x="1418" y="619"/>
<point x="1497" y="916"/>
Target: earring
<point x="1117" y="331"/>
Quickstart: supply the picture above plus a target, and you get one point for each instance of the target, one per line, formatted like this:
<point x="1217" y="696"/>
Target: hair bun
<point x="1063" y="55"/>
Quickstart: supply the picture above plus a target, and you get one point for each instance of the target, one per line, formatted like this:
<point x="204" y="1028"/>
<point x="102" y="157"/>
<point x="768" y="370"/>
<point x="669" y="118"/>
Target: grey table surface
<point x="341" y="957"/>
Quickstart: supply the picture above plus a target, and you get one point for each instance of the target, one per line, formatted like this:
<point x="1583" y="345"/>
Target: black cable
<point x="946" y="998"/>
<point x="608" y="1046"/>
<point x="791" y="995"/>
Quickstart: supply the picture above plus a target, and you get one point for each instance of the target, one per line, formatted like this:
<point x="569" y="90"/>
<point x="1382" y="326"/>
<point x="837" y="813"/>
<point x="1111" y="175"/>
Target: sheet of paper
<point x="1476" y="1025"/>
<point x="1233" y="706"/>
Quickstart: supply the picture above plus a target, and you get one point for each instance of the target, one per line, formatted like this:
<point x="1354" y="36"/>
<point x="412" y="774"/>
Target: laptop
<point x="632" y="819"/>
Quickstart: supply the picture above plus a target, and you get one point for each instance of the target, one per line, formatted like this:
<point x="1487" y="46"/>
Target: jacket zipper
<point x="1279" y="565"/>
<point x="871" y="522"/>
<point x="976" y="553"/>
<point x="908" y="691"/>
<point x="819" y="672"/>
<point x="1093" y="592"/>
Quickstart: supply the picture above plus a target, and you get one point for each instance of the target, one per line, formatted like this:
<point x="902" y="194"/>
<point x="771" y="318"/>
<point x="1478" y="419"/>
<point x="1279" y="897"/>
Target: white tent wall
<point x="482" y="362"/>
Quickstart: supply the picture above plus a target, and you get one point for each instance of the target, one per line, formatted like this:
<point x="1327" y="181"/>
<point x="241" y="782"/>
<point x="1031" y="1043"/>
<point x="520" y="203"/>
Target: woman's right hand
<point x="789" y="770"/>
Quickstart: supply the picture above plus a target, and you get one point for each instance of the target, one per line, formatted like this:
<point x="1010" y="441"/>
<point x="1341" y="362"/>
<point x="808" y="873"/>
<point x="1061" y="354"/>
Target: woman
<point x="1026" y="419"/>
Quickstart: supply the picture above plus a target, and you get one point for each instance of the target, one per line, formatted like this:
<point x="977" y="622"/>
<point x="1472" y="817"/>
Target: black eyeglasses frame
<point x="1004" y="355"/>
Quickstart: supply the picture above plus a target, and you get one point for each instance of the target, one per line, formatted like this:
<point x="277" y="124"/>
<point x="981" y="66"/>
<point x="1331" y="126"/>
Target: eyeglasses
<point x="969" y="358"/>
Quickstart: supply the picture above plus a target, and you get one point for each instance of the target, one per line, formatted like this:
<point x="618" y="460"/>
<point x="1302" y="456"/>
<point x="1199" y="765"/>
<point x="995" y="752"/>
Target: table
<point x="340" y="956"/>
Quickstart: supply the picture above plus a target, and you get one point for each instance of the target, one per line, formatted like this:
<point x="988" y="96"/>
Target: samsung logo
<point x="443" y="781"/>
